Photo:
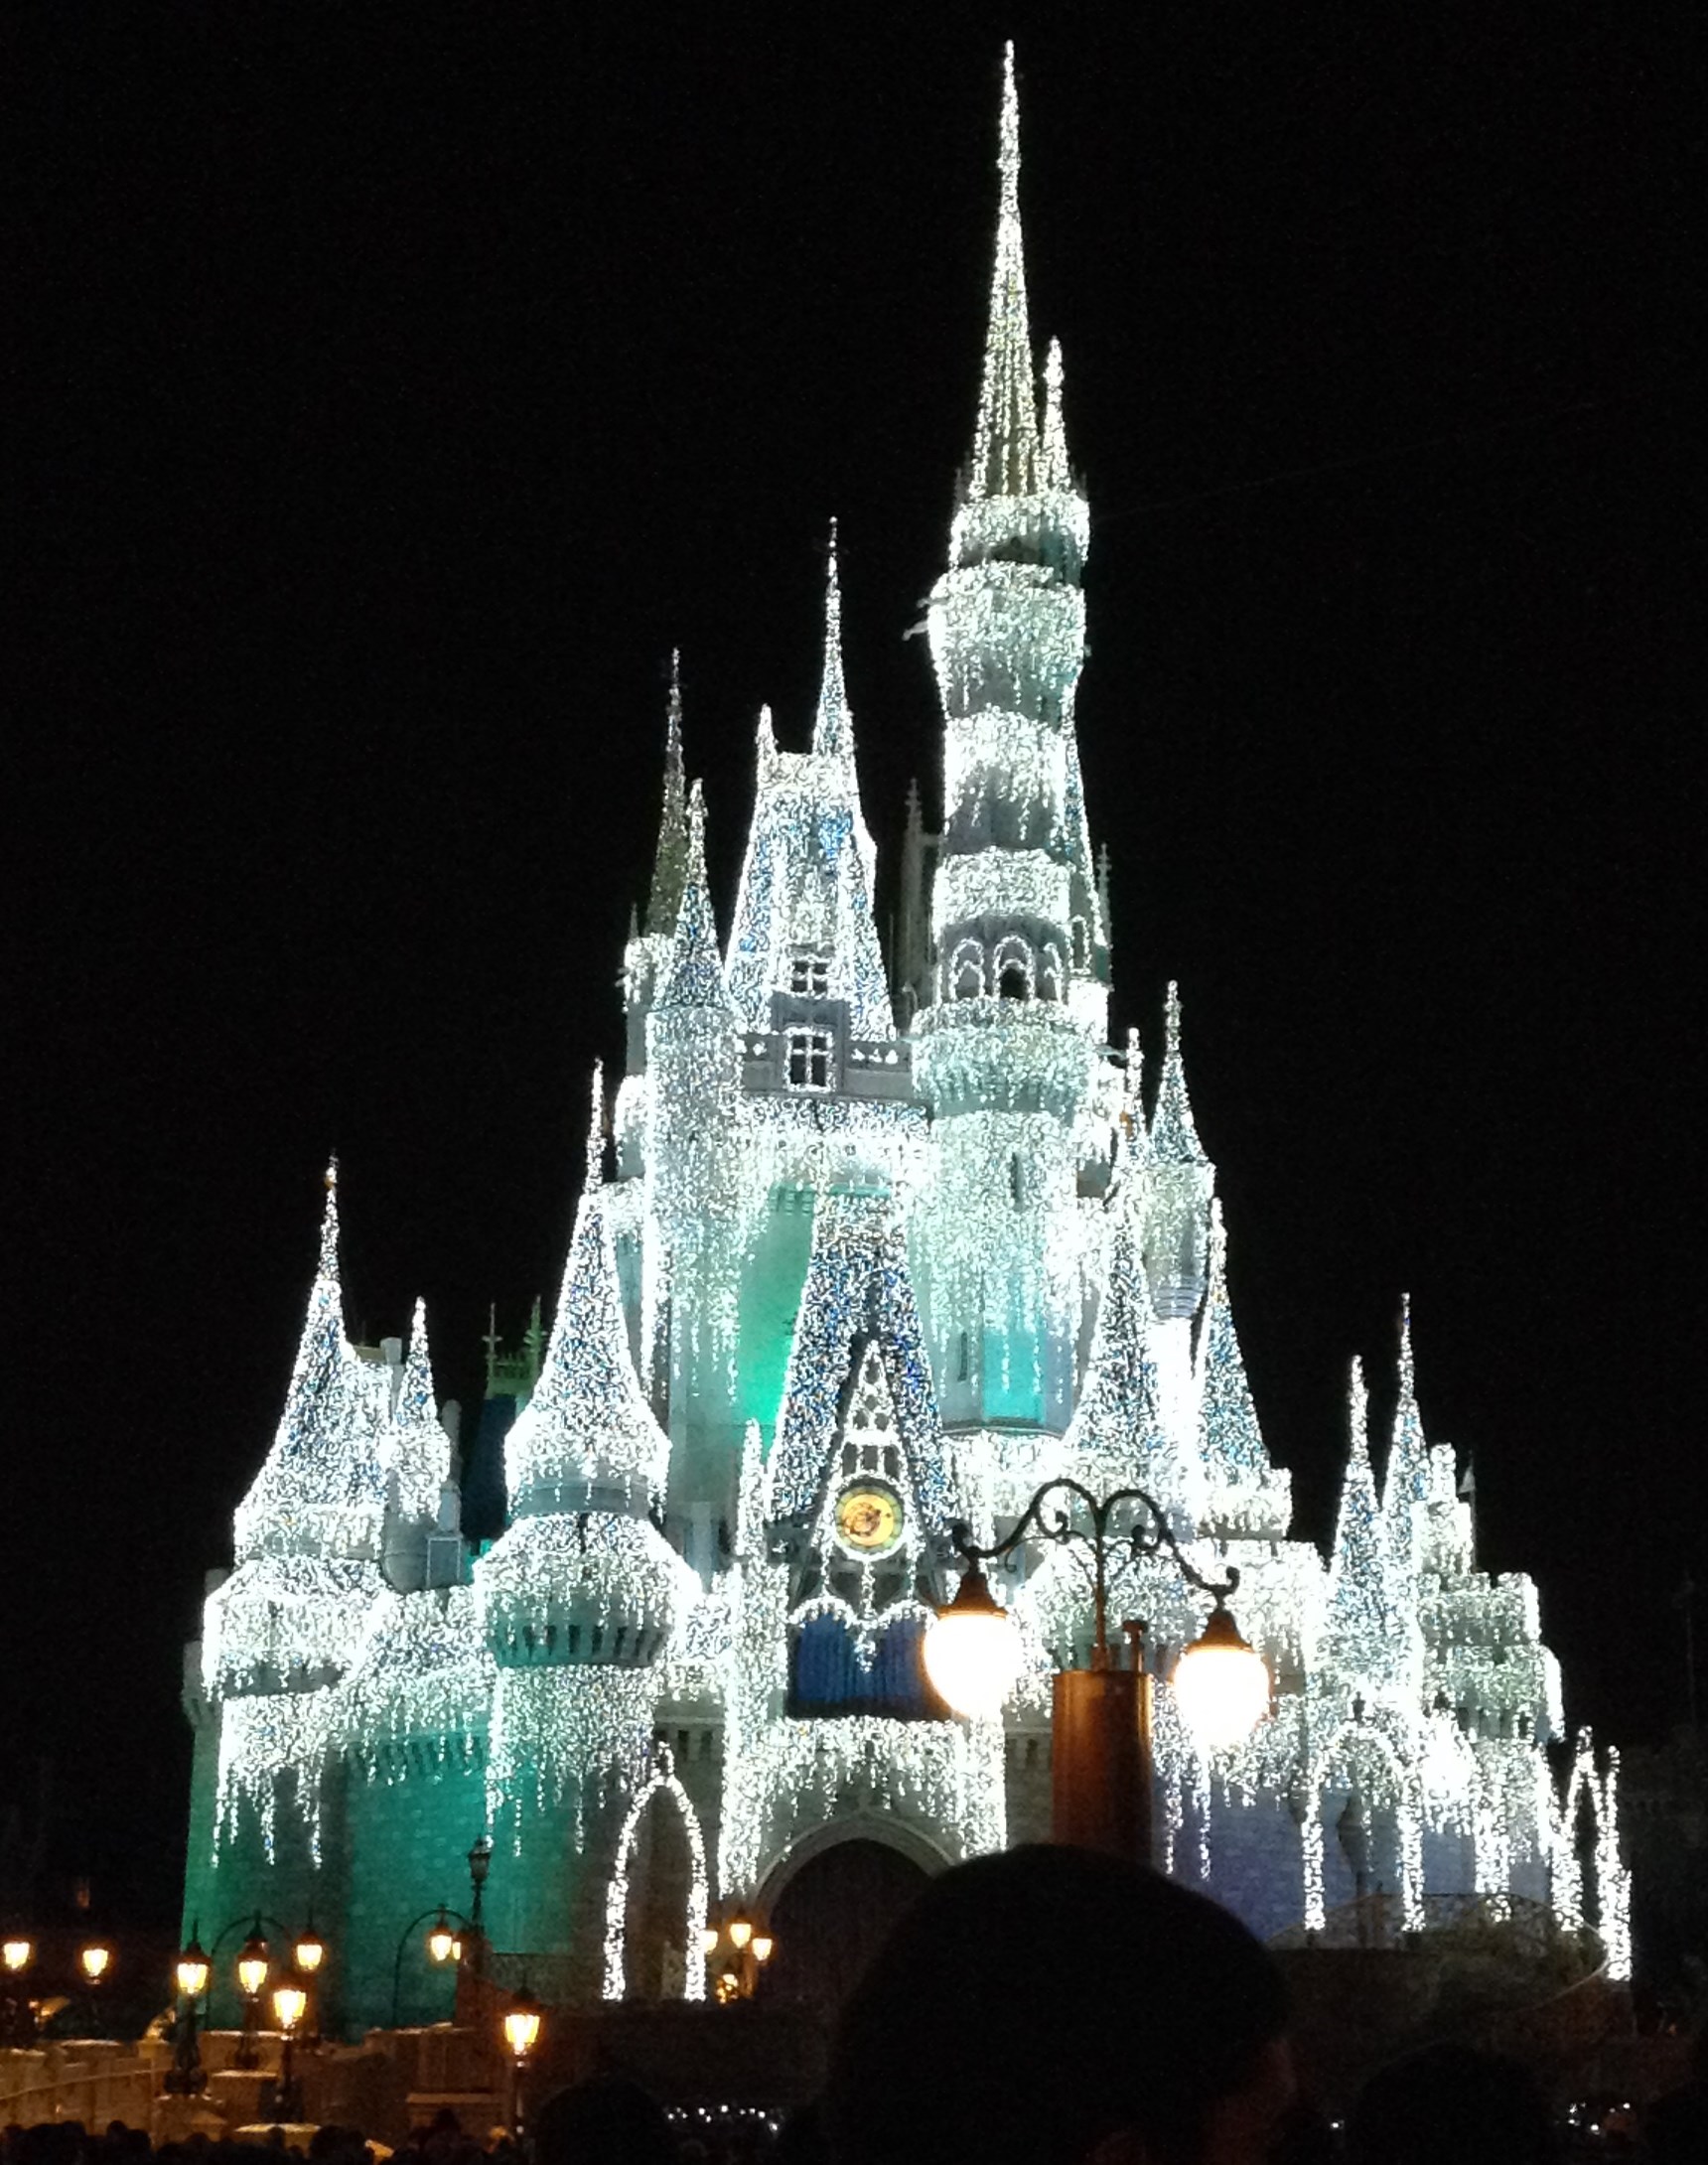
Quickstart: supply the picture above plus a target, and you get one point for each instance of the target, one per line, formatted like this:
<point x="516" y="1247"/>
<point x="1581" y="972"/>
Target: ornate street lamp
<point x="307" y="1952"/>
<point x="289" y="2000"/>
<point x="480" y="1864"/>
<point x="187" y="2078"/>
<point x="16" y="1951"/>
<point x="522" y="2026"/>
<point x="1100" y="1726"/>
<point x="444" y="1947"/>
<point x="749" y="1947"/>
<point x="94" y="1959"/>
<point x="252" y="1967"/>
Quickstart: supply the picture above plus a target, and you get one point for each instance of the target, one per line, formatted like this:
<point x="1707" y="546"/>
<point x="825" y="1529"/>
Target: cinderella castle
<point x="866" y="1245"/>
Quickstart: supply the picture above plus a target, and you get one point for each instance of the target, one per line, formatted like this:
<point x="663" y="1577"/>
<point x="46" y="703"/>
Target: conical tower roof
<point x="1174" y="1132"/>
<point x="320" y="1488"/>
<point x="671" y="862"/>
<point x="694" y="975"/>
<point x="418" y="1449"/>
<point x="1233" y="1443"/>
<point x="1005" y="451"/>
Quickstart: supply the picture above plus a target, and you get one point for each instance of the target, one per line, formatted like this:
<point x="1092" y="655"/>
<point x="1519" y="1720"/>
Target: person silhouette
<point x="1057" y="2006"/>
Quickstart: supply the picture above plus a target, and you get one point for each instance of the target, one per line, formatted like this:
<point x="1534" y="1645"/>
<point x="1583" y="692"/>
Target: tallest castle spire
<point x="1005" y="448"/>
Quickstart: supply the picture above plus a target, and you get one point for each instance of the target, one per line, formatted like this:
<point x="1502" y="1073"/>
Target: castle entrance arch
<point x="832" y="1909"/>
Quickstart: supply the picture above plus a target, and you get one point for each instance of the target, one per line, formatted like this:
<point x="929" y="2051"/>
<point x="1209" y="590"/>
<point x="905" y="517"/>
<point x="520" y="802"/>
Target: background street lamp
<point x="747" y="1947"/>
<point x="94" y="1959"/>
<point x="522" y="2034"/>
<point x="187" y="2078"/>
<point x="443" y="1945"/>
<point x="289" y="2000"/>
<point x="480" y="1864"/>
<point x="307" y="1953"/>
<point x="16" y="1951"/>
<point x="1100" y="1719"/>
<point x="252" y="1967"/>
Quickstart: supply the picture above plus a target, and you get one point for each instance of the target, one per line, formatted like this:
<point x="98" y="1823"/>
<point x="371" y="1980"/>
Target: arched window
<point x="966" y="971"/>
<point x="1014" y="970"/>
<point x="1078" y="932"/>
<point x="1050" y="972"/>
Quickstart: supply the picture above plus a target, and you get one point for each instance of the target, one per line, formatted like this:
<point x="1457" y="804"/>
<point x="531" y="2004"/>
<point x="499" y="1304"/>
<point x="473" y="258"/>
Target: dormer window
<point x="809" y="974"/>
<point x="810" y="1060"/>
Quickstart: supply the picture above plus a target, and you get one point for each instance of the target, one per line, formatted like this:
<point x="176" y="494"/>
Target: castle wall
<point x="412" y="1819"/>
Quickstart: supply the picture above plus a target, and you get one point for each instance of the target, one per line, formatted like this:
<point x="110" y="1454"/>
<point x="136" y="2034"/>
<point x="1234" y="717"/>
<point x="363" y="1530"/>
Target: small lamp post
<point x="94" y="1959"/>
<point x="750" y="1948"/>
<point x="187" y="2078"/>
<point x="522" y="2033"/>
<point x="252" y="1967"/>
<point x="307" y="1952"/>
<point x="1100" y="1722"/>
<point x="444" y="1945"/>
<point x="480" y="1864"/>
<point x="289" y="2000"/>
<point x="17" y="1953"/>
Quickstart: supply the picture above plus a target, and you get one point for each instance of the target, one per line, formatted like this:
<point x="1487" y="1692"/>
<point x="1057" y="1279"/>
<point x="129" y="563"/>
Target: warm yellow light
<point x="16" y="1953"/>
<point x="192" y="1972"/>
<point x="252" y="1971"/>
<point x="762" y="1943"/>
<point x="441" y="1942"/>
<point x="1220" y="1685"/>
<point x="289" y="2000"/>
<point x="972" y="1650"/>
<point x="740" y="1931"/>
<point x="94" y="1960"/>
<point x="456" y="1950"/>
<point x="310" y="1951"/>
<point x="709" y="1941"/>
<point x="522" y="2024"/>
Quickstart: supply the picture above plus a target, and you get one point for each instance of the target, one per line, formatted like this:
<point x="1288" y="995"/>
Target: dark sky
<point x="399" y="384"/>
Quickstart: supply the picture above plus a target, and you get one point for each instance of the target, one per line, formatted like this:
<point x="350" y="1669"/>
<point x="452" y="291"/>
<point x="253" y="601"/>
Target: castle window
<point x="1014" y="970"/>
<point x="809" y="974"/>
<point x="1049" y="973"/>
<point x="967" y="970"/>
<point x="1078" y="942"/>
<point x="810" y="1060"/>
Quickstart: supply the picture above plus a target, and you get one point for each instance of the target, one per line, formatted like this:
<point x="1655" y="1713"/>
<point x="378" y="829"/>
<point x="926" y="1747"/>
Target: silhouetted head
<point x="1039" y="2006"/>
<point x="1450" y="2102"/>
<point x="602" y="2121"/>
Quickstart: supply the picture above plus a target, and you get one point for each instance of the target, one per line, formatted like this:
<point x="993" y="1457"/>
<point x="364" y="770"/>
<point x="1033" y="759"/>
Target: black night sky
<point x="393" y="388"/>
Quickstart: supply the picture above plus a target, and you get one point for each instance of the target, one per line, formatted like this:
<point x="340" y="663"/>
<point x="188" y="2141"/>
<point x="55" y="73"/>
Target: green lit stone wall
<point x="413" y="1813"/>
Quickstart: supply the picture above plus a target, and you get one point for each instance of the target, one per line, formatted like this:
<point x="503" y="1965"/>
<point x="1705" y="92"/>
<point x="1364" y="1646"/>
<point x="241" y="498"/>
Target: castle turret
<point x="1007" y="1060"/>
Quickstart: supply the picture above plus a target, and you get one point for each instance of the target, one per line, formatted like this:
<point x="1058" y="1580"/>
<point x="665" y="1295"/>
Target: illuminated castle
<point x="866" y="1245"/>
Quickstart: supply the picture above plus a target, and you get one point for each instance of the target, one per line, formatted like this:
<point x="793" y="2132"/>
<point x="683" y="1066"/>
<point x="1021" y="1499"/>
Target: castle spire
<point x="1004" y="449"/>
<point x="1056" y="475"/>
<point x="596" y="1130"/>
<point x="833" y="727"/>
<point x="1174" y="1133"/>
<point x="1407" y="1481"/>
<point x="669" y="865"/>
<point x="694" y="977"/>
<point x="418" y="1447"/>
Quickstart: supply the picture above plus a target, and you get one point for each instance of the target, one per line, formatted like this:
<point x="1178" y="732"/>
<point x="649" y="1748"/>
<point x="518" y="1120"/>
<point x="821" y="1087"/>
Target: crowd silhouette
<point x="1046" y="2006"/>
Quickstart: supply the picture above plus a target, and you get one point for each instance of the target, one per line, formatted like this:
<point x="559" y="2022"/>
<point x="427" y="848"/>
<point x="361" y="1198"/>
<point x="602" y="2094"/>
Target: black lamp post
<point x="1100" y="1724"/>
<point x="480" y="1864"/>
<point x="443" y="1945"/>
<point x="252" y="1967"/>
<point x="289" y="2001"/>
<point x="187" y="2078"/>
<point x="18" y="2026"/>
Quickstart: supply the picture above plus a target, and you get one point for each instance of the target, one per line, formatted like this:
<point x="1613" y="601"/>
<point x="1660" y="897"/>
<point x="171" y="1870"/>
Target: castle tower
<point x="1007" y="1049"/>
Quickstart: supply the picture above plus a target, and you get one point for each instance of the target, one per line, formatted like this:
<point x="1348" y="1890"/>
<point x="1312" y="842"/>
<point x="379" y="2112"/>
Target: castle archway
<point x="830" y="1909"/>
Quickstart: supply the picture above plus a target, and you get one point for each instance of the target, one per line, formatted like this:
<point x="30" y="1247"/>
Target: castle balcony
<point x="1000" y="1055"/>
<point x="593" y="1589"/>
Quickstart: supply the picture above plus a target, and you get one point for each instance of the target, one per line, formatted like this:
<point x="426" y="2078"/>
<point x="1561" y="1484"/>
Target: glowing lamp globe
<point x="740" y="1931"/>
<point x="289" y="2000"/>
<point x="762" y="1943"/>
<point x="94" y="1960"/>
<point x="310" y="1951"/>
<point x="15" y="1953"/>
<point x="252" y="1967"/>
<point x="709" y="1941"/>
<point x="192" y="1971"/>
<point x="972" y="1650"/>
<point x="522" y="2024"/>
<point x="441" y="1940"/>
<point x="1220" y="1685"/>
